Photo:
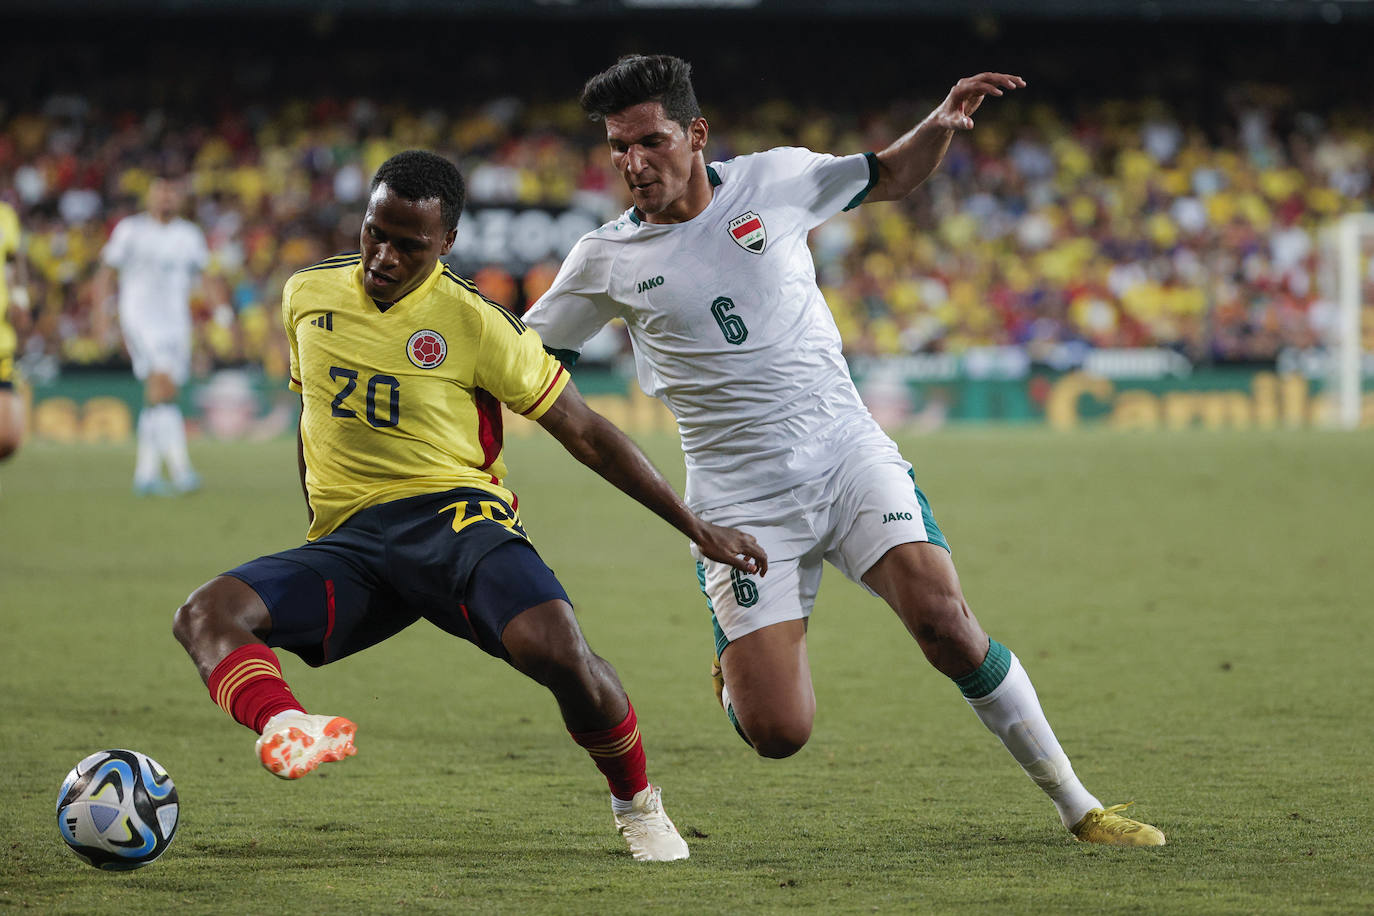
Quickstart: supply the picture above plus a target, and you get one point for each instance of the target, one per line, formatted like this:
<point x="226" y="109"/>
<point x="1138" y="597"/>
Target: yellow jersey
<point x="9" y="248"/>
<point x="404" y="398"/>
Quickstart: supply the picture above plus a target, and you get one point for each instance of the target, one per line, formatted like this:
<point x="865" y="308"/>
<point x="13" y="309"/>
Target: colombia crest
<point x="426" y="349"/>
<point x="748" y="232"/>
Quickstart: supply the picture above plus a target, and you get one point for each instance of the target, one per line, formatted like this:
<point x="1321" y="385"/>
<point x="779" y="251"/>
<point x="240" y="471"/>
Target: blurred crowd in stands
<point x="1121" y="225"/>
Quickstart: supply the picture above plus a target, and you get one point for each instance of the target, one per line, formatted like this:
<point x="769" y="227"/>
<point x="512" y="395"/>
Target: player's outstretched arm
<point x="914" y="156"/>
<point x="597" y="443"/>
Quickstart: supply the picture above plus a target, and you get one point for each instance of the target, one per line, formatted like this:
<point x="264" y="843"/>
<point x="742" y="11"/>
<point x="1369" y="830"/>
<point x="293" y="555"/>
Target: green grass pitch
<point x="1194" y="609"/>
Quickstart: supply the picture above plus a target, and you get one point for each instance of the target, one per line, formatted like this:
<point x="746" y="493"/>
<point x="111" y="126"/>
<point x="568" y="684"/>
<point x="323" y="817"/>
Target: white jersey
<point x="158" y="264"/>
<point x="728" y="326"/>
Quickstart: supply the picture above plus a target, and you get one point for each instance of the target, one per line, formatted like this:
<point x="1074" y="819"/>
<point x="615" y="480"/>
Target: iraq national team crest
<point x="426" y="349"/>
<point x="748" y="232"/>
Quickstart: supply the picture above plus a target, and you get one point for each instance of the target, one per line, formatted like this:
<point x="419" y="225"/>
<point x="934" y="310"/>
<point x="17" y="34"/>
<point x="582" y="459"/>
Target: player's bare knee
<point x="191" y="620"/>
<point x="546" y="644"/>
<point x="561" y="667"/>
<point x="776" y="743"/>
<point x="948" y="634"/>
<point x="776" y="736"/>
<point x="159" y="389"/>
<point x="940" y="617"/>
<point x="776" y="750"/>
<point x="215" y="609"/>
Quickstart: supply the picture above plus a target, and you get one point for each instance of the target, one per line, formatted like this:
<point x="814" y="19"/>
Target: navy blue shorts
<point x="458" y="559"/>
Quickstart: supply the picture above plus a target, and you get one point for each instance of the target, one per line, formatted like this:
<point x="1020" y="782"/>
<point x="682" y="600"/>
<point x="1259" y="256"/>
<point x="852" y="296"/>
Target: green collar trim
<point x="711" y="175"/>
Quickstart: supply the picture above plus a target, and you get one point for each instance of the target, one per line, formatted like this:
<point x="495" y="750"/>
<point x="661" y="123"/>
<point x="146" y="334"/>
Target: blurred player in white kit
<point x="158" y="257"/>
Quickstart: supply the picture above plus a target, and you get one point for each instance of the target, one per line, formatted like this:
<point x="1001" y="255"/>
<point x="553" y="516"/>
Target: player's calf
<point x="723" y="698"/>
<point x="767" y="685"/>
<point x="545" y="644"/>
<point x="772" y="729"/>
<point x="919" y="583"/>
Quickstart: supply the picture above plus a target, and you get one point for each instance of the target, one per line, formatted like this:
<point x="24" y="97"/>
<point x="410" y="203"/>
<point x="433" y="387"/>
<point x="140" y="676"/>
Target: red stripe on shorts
<point x="329" y="608"/>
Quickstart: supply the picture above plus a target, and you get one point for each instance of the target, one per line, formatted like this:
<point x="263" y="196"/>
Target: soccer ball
<point x="117" y="810"/>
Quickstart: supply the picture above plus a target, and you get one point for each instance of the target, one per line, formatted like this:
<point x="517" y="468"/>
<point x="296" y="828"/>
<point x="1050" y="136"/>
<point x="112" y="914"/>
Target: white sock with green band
<point x="171" y="440"/>
<point x="148" y="463"/>
<point x="1001" y="694"/>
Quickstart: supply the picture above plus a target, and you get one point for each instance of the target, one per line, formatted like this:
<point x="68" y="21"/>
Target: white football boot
<point x="652" y="837"/>
<point x="294" y="743"/>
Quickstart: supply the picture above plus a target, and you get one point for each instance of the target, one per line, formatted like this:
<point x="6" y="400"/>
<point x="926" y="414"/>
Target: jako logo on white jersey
<point x="645" y="285"/>
<point x="748" y="232"/>
<point x="896" y="516"/>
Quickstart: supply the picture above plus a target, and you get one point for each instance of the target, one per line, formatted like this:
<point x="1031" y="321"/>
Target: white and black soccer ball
<point x="117" y="810"/>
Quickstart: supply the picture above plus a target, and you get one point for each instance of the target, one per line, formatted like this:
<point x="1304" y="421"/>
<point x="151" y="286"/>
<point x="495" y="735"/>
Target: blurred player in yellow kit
<point x="14" y="314"/>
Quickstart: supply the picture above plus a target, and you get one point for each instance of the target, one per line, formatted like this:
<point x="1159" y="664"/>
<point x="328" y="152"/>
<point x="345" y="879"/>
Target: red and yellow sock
<point x="619" y="754"/>
<point x="248" y="685"/>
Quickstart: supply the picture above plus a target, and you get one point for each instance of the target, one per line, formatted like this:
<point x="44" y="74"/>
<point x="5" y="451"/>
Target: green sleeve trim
<point x="567" y="357"/>
<point x="993" y="671"/>
<point x="872" y="180"/>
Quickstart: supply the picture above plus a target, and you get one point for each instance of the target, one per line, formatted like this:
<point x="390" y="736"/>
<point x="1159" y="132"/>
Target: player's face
<point x="656" y="157"/>
<point x="401" y="242"/>
<point x="164" y="199"/>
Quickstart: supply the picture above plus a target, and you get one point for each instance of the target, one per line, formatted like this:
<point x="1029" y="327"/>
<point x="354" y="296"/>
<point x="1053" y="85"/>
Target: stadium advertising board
<point x="518" y="237"/>
<point x="1121" y="389"/>
<point x="919" y="392"/>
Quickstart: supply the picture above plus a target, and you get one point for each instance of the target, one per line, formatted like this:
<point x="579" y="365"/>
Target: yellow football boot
<point x="1106" y="826"/>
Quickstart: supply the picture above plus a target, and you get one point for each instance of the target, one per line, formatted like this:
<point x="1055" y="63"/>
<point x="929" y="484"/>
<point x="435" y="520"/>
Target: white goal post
<point x="1346" y="243"/>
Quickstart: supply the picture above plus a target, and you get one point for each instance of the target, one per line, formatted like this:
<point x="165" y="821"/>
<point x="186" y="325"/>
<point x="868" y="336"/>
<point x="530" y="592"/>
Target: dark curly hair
<point x="638" y="78"/>
<point x="417" y="174"/>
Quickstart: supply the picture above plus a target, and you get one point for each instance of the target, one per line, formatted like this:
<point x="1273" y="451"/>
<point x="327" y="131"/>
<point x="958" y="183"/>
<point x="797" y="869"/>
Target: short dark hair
<point x="638" y="78"/>
<point x="418" y="174"/>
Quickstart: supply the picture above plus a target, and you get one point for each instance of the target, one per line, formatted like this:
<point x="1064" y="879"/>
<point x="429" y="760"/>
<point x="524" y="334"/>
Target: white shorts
<point x="851" y="517"/>
<point x="158" y="350"/>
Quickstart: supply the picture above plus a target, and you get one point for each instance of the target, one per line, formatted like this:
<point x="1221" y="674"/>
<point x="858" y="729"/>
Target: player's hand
<point x="732" y="547"/>
<point x="956" y="111"/>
